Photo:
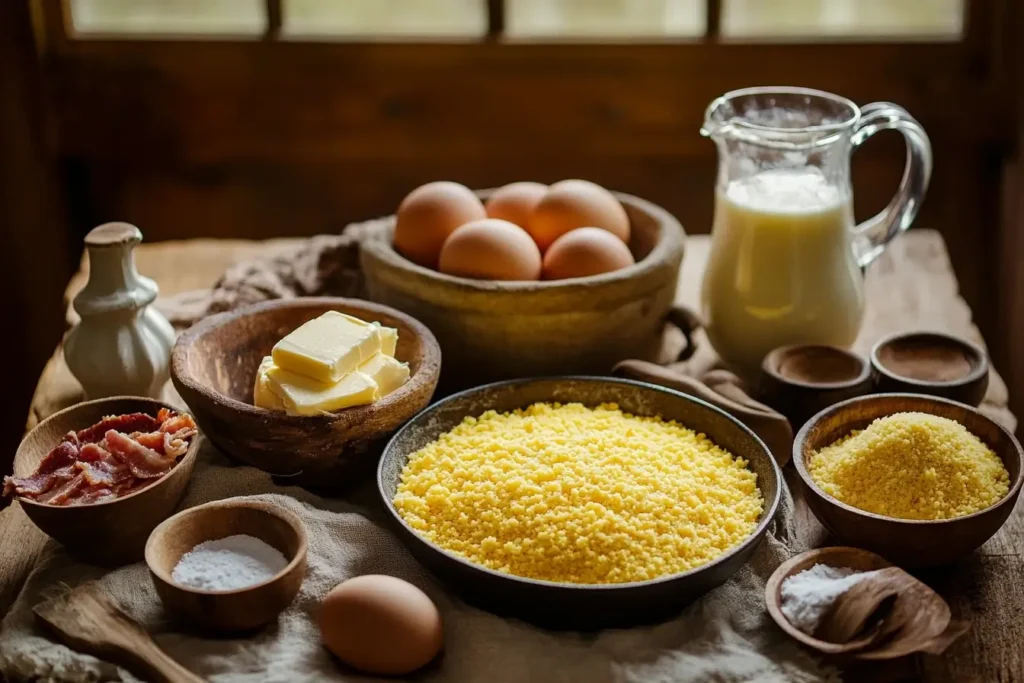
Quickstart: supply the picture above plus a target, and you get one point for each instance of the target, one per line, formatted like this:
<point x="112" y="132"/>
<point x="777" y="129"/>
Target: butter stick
<point x="302" y="395"/>
<point x="387" y="372"/>
<point x="327" y="348"/>
<point x="388" y="339"/>
<point x="262" y="395"/>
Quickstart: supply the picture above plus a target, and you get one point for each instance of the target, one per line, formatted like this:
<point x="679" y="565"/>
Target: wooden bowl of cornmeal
<point x="905" y="542"/>
<point x="214" y="366"/>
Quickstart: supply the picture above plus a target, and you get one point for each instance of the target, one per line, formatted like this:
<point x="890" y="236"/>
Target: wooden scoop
<point x="86" y="620"/>
<point x="914" y="618"/>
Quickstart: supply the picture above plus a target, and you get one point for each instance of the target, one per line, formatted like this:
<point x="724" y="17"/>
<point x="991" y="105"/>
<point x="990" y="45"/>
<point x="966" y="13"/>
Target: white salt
<point x="228" y="563"/>
<point x="808" y="595"/>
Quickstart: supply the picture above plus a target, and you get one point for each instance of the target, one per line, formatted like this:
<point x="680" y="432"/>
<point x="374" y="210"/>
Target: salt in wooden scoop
<point x="887" y="615"/>
<point x="86" y="620"/>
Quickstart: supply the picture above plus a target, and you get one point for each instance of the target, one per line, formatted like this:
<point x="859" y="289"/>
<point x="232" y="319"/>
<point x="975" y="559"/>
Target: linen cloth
<point x="726" y="636"/>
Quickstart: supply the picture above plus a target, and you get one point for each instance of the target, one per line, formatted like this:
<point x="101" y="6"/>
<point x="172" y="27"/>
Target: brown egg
<point x="583" y="252"/>
<point x="515" y="202"/>
<point x="491" y="249"/>
<point x="381" y="625"/>
<point x="572" y="204"/>
<point x="428" y="215"/>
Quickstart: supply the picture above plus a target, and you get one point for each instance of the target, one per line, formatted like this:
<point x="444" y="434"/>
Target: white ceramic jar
<point x="122" y="345"/>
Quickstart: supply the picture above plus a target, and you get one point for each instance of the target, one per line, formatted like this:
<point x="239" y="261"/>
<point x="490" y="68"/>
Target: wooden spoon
<point x="85" y="619"/>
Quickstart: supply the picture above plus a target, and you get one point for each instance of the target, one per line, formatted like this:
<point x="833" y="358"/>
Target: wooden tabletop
<point x="911" y="287"/>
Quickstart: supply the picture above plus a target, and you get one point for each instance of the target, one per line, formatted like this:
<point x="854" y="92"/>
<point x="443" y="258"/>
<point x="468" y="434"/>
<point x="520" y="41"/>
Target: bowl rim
<point x="785" y="570"/>
<point x="805" y="476"/>
<point x="181" y="372"/>
<point x="979" y="370"/>
<point x="771" y="368"/>
<point x="753" y="538"/>
<point x="190" y="454"/>
<point x="671" y="236"/>
<point x="293" y="520"/>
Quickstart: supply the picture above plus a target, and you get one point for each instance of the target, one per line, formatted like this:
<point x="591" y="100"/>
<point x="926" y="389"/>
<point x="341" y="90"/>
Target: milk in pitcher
<point x="781" y="267"/>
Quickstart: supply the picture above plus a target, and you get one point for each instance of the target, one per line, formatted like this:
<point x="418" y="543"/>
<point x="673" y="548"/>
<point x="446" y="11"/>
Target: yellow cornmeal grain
<point x="911" y="466"/>
<point x="574" y="494"/>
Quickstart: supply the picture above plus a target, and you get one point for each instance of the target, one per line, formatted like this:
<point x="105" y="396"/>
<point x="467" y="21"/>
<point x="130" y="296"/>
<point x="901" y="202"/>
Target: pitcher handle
<point x="872" y="236"/>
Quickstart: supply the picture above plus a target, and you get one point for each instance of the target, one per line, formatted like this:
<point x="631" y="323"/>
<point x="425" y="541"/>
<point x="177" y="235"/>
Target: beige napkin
<point x="725" y="637"/>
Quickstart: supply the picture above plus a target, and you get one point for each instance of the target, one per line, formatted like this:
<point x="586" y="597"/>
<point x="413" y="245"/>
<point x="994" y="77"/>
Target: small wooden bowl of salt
<point x="850" y="603"/>
<point x="228" y="566"/>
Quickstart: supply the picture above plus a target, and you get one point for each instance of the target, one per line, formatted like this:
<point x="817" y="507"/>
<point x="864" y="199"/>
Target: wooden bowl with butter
<point x="214" y="366"/>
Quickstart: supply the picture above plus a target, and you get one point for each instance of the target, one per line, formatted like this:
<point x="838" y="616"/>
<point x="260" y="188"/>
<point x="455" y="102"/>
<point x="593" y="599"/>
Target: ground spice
<point x="931" y="361"/>
<point x="808" y="595"/>
<point x="230" y="563"/>
<point x="911" y="466"/>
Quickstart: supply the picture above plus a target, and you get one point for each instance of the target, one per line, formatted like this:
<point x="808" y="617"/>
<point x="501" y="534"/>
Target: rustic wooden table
<point x="911" y="287"/>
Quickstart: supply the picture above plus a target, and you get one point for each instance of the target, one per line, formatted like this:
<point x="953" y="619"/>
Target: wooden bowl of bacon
<point x="99" y="476"/>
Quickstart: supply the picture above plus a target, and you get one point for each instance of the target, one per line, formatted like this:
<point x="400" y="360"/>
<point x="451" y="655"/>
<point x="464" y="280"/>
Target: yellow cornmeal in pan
<point x="911" y="466"/>
<point x="574" y="494"/>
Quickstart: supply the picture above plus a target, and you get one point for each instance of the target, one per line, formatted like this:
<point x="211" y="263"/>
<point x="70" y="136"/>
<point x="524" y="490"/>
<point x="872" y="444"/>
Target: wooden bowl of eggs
<point x="528" y="279"/>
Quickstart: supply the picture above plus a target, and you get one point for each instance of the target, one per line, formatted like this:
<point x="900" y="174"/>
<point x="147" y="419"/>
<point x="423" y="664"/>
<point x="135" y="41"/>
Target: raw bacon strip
<point x="143" y="462"/>
<point x="96" y="452"/>
<point x="176" y="423"/>
<point x="63" y="493"/>
<point x="153" y="440"/>
<point x="63" y="455"/>
<point x="39" y="483"/>
<point x="100" y="468"/>
<point x="93" y="495"/>
<point x="134" y="422"/>
<point x="176" y="445"/>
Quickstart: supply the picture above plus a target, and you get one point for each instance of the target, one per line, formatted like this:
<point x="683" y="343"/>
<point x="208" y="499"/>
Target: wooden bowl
<point x="839" y="556"/>
<point x="237" y="610"/>
<point x="566" y="605"/>
<point x="939" y="348"/>
<point x="214" y="366"/>
<point x="113" y="532"/>
<point x="799" y="381"/>
<point x="507" y="330"/>
<point x="905" y="542"/>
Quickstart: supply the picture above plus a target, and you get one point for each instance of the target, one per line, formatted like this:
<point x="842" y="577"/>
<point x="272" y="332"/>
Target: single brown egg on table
<point x="572" y="204"/>
<point x="381" y="625"/>
<point x="491" y="249"/>
<point x="515" y="202"/>
<point x="428" y="215"/>
<point x="583" y="252"/>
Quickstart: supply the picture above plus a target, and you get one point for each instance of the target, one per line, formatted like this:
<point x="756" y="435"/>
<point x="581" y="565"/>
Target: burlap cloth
<point x="726" y="636"/>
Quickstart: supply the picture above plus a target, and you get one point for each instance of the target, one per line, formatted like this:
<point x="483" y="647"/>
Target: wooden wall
<point x="265" y="139"/>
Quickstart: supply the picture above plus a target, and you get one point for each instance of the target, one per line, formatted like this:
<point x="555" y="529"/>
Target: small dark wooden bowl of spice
<point x="906" y="542"/>
<point x="799" y="381"/>
<point x="931" y="363"/>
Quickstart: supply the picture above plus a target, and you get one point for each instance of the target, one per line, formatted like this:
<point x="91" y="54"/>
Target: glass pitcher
<point x="786" y="257"/>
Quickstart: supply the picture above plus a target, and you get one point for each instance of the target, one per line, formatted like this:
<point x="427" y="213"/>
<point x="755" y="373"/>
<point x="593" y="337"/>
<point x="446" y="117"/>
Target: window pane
<point x="169" y="17"/>
<point x="604" y="18"/>
<point x="839" y="18"/>
<point x="385" y="18"/>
